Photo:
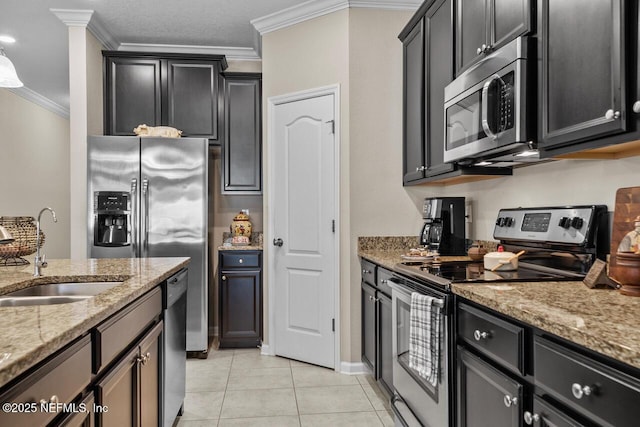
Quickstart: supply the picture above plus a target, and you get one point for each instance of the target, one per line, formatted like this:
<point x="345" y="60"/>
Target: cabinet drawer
<point x="239" y="259"/>
<point x="500" y="340"/>
<point x="116" y="334"/>
<point x="597" y="391"/>
<point x="383" y="281"/>
<point x="368" y="272"/>
<point x="62" y="378"/>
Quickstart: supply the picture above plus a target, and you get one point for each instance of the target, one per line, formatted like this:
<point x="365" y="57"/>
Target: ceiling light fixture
<point x="8" y="75"/>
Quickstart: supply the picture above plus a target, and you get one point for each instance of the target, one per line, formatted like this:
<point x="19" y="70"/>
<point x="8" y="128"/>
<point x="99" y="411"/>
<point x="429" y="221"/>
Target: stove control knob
<point x="509" y="221"/>
<point x="565" y="222"/>
<point x="500" y="222"/>
<point x="577" y="222"/>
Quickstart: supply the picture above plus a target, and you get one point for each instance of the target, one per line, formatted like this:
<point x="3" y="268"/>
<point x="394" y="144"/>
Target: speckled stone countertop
<point x="30" y="334"/>
<point x="602" y="320"/>
<point x="254" y="245"/>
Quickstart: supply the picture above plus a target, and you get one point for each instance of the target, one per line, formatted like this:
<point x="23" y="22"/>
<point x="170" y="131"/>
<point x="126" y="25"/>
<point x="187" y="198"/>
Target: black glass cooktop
<point x="470" y="271"/>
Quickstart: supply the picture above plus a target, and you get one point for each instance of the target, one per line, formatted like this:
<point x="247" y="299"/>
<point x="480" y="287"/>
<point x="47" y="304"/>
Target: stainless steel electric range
<point x="560" y="243"/>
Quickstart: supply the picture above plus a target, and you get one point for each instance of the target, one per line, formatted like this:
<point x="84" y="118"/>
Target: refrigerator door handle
<point x="145" y="230"/>
<point x="134" y="217"/>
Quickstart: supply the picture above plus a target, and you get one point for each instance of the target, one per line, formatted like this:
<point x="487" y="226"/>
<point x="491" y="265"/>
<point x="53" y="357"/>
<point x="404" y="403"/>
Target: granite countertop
<point x="240" y="248"/>
<point x="30" y="334"/>
<point x="602" y="320"/>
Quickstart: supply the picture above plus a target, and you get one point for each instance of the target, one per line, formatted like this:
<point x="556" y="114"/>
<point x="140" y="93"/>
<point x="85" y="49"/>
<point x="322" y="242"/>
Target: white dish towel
<point x="424" y="336"/>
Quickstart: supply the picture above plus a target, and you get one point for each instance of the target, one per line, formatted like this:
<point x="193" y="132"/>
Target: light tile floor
<point x="244" y="388"/>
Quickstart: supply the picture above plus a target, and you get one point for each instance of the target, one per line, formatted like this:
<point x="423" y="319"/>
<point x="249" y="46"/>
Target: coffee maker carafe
<point x="112" y="219"/>
<point x="444" y="225"/>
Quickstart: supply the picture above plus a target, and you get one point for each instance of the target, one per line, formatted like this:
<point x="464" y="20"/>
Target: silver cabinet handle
<point x="610" y="114"/>
<point x="636" y="107"/>
<point x="510" y="401"/>
<point x="373" y="299"/>
<point x="384" y="281"/>
<point x="479" y="50"/>
<point x="477" y="335"/>
<point x="578" y="390"/>
<point x="53" y="399"/>
<point x="240" y="261"/>
<point x="224" y="278"/>
<point x="366" y="272"/>
<point x="530" y="418"/>
<point x="421" y="168"/>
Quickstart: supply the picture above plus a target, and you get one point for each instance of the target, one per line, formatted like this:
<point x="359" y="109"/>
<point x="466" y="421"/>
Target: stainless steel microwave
<point x="486" y="108"/>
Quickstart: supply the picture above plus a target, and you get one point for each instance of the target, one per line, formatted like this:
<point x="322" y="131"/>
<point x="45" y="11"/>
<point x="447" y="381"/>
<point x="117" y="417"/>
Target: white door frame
<point x="274" y="101"/>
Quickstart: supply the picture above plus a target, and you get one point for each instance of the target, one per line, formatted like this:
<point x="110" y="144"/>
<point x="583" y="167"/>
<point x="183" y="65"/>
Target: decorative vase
<point x="241" y="226"/>
<point x="477" y="252"/>
<point x="627" y="273"/>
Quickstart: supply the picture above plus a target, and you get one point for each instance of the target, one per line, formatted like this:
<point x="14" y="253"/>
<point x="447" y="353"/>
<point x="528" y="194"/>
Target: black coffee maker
<point x="444" y="225"/>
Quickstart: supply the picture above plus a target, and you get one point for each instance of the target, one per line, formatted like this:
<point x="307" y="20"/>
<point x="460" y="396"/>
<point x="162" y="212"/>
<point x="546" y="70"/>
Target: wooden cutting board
<point x="627" y="208"/>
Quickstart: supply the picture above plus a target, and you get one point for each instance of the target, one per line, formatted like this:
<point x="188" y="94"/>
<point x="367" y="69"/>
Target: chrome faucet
<point x="39" y="261"/>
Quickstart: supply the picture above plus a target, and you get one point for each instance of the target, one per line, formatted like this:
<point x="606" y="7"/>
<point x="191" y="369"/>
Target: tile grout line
<point x="226" y="385"/>
<point x="295" y="396"/>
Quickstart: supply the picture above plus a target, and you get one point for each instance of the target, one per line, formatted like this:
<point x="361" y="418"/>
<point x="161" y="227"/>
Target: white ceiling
<point x="41" y="52"/>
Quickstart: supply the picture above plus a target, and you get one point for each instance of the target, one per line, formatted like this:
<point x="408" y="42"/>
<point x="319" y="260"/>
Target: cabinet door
<point x="581" y="74"/>
<point x="509" y="19"/>
<point x="241" y="308"/>
<point x="150" y="377"/>
<point x="118" y="391"/>
<point x="471" y="32"/>
<point x="368" y="301"/>
<point x="241" y="149"/>
<point x="413" y="105"/>
<point x="438" y="74"/>
<point x="385" y="343"/>
<point x="132" y="94"/>
<point x="192" y="97"/>
<point x="81" y="419"/>
<point x="486" y="397"/>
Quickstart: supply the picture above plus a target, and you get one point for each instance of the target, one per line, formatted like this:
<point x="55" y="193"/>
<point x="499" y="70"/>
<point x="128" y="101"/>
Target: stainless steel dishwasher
<point x="174" y="367"/>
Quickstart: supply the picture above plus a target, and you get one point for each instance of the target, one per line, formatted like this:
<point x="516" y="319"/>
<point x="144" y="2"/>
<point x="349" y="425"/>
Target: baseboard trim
<point x="350" y="368"/>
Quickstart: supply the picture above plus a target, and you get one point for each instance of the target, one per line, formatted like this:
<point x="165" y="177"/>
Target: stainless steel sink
<point x="55" y="293"/>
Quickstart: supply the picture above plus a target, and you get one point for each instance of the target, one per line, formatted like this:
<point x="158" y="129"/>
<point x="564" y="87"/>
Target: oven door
<point x="486" y="107"/>
<point x="416" y="401"/>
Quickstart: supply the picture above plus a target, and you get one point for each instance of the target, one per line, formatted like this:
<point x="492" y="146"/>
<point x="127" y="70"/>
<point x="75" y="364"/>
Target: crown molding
<point x="242" y="53"/>
<point x="102" y="35"/>
<point x="316" y="8"/>
<point x="73" y="17"/>
<point x="42" y="101"/>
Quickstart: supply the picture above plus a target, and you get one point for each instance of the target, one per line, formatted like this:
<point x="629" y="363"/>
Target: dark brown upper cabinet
<point x="581" y="76"/>
<point x="242" y="142"/>
<point x="162" y="89"/>
<point x="483" y="26"/>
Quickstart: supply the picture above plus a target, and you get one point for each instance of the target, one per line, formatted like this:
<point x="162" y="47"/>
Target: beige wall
<point x="555" y="183"/>
<point x="309" y="55"/>
<point x="34" y="148"/>
<point x="378" y="206"/>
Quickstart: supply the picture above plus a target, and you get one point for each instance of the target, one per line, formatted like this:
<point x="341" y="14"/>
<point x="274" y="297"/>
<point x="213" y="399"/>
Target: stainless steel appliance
<point x="561" y="243"/>
<point x="174" y="368"/>
<point x="165" y="184"/>
<point x="444" y="225"/>
<point x="488" y="108"/>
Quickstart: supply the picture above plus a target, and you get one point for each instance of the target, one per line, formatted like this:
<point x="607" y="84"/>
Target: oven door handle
<point x="397" y="286"/>
<point x="405" y="293"/>
<point x="485" y="105"/>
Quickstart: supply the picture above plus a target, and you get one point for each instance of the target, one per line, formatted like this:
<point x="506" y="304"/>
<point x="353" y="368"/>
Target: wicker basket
<point x="23" y="230"/>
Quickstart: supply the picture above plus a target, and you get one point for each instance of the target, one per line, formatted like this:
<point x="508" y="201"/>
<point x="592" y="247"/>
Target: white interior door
<point x="303" y="211"/>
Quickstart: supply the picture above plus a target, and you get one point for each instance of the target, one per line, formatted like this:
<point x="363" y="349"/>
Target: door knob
<point x="277" y="242"/>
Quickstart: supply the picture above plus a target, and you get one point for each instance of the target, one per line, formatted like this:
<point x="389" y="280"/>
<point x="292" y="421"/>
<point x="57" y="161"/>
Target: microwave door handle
<point x="485" y="106"/>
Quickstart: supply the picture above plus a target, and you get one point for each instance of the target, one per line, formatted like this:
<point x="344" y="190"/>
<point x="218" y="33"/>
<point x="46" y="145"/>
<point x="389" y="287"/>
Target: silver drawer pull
<point x="636" y="107"/>
<point x="578" y="390"/>
<point x="510" y="401"/>
<point x="366" y="272"/>
<point x="530" y="418"/>
<point x="477" y="335"/>
<point x="610" y="114"/>
<point x="384" y="281"/>
<point x="52" y="400"/>
<point x="240" y="261"/>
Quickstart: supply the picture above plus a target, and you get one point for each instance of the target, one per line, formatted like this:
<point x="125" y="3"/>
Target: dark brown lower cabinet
<point x="385" y="344"/>
<point x="486" y="396"/>
<point x="369" y="326"/>
<point x="128" y="395"/>
<point x="82" y="418"/>
<point x="240" y="298"/>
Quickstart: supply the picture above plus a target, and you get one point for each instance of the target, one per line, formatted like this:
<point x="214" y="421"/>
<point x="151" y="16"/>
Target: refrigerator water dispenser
<point x="112" y="218"/>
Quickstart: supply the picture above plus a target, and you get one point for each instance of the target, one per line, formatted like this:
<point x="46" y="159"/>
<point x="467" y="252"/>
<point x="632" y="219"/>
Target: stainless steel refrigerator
<point x="148" y="197"/>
